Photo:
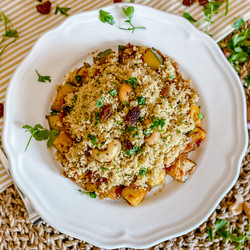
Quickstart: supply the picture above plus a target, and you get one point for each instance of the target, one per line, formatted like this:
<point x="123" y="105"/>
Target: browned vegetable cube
<point x="196" y="137"/>
<point x="55" y="122"/>
<point x="62" y="92"/>
<point x="63" y="142"/>
<point x="182" y="168"/>
<point x="134" y="194"/>
<point x="195" y="111"/>
<point x="153" y="59"/>
<point x="158" y="180"/>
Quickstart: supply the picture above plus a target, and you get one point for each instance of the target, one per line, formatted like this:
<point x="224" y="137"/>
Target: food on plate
<point x="125" y="122"/>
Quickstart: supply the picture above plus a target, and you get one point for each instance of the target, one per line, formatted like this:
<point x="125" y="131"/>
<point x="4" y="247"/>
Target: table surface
<point x="15" y="229"/>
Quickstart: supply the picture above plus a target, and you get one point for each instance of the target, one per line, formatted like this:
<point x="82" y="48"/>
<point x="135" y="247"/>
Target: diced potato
<point x="133" y="194"/>
<point x="59" y="101"/>
<point x="158" y="180"/>
<point x="113" y="193"/>
<point x="195" y="111"/>
<point x="55" y="122"/>
<point x="196" y="137"/>
<point x="182" y="168"/>
<point x="153" y="59"/>
<point x="63" y="142"/>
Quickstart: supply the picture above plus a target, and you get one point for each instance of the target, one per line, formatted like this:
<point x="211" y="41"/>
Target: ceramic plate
<point x="178" y="208"/>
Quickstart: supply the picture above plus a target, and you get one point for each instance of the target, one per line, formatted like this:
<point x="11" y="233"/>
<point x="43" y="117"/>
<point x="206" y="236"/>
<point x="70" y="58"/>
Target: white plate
<point x="178" y="208"/>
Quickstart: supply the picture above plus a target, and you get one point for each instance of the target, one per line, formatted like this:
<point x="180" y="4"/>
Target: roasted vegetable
<point x="63" y="142"/>
<point x="153" y="59"/>
<point x="62" y="92"/>
<point x="134" y="194"/>
<point x="195" y="111"/>
<point x="182" y="168"/>
<point x="55" y="122"/>
<point x="196" y="137"/>
<point x="158" y="180"/>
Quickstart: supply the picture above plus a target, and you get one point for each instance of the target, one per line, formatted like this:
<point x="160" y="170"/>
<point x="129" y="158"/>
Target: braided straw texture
<point x="17" y="233"/>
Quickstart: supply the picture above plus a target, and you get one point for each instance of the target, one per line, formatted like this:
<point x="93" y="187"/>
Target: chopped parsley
<point x="135" y="134"/>
<point x="106" y="17"/>
<point x="78" y="78"/>
<point x="247" y="79"/>
<point x="157" y="122"/>
<point x="93" y="139"/>
<point x="132" y="81"/>
<point x="143" y="172"/>
<point x="141" y="100"/>
<point x="135" y="149"/>
<point x="91" y="194"/>
<point x="104" y="169"/>
<point x="119" y="122"/>
<point x="239" y="22"/>
<point x="147" y="132"/>
<point x="201" y="116"/>
<point x="99" y="103"/>
<point x="132" y="128"/>
<point x="43" y="78"/>
<point x="113" y="92"/>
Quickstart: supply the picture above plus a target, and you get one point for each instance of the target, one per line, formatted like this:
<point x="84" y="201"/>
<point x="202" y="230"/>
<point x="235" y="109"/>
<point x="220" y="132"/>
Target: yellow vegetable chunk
<point x="195" y="111"/>
<point x="158" y="180"/>
<point x="182" y="168"/>
<point x="196" y="137"/>
<point x="63" y="142"/>
<point x="153" y="59"/>
<point x="62" y="92"/>
<point x="134" y="194"/>
<point x="55" y="122"/>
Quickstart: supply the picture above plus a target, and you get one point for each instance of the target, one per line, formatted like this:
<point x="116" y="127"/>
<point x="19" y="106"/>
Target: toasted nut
<point x="153" y="139"/>
<point x="124" y="92"/>
<point x="113" y="149"/>
<point x="246" y="206"/>
<point x="237" y="207"/>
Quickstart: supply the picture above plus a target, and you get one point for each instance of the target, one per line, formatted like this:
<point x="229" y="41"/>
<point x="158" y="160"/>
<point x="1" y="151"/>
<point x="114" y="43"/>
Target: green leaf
<point x="93" y="139"/>
<point x="147" y="132"/>
<point x="220" y="224"/>
<point x="131" y="128"/>
<point x="239" y="57"/>
<point x="189" y="17"/>
<point x="210" y="234"/>
<point x="132" y="81"/>
<point x="104" y="169"/>
<point x="41" y="134"/>
<point x="102" y="54"/>
<point x="99" y="102"/>
<point x="227" y="8"/>
<point x="135" y="134"/>
<point x="11" y="33"/>
<point x="212" y="8"/>
<point x="239" y="22"/>
<point x="143" y="172"/>
<point x="106" y="17"/>
<point x="113" y="92"/>
<point x="247" y="79"/>
<point x="129" y="12"/>
<point x="43" y="78"/>
<point x="62" y="10"/>
<point x="201" y="116"/>
<point x="141" y="100"/>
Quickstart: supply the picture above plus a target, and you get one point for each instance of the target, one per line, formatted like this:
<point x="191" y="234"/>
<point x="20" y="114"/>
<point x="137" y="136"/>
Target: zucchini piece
<point x="195" y="111"/>
<point x="62" y="92"/>
<point x="182" y="168"/>
<point x="134" y="194"/>
<point x="63" y="142"/>
<point x="55" y="122"/>
<point x="153" y="58"/>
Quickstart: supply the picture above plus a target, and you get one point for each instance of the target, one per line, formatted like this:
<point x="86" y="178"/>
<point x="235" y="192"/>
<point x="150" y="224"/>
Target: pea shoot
<point x="106" y="17"/>
<point x="43" y="78"/>
<point x="62" y="10"/>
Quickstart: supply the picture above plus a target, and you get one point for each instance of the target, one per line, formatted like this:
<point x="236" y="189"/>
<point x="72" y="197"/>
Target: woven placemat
<point x="17" y="233"/>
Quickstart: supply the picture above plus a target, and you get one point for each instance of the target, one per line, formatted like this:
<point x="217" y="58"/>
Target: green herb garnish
<point x="247" y="79"/>
<point x="189" y="17"/>
<point x="157" y="122"/>
<point x="62" y="10"/>
<point x="233" y="236"/>
<point x="135" y="149"/>
<point x="106" y="17"/>
<point x="41" y="134"/>
<point x="132" y="81"/>
<point x="239" y="22"/>
<point x="147" y="132"/>
<point x="54" y="112"/>
<point x="131" y="128"/>
<point x="141" y="100"/>
<point x="43" y="78"/>
<point x="91" y="194"/>
<point x="78" y="78"/>
<point x="227" y="8"/>
<point x="119" y="122"/>
<point x="143" y="171"/>
<point x="9" y="33"/>
<point x="104" y="169"/>
<point x="113" y="92"/>
<point x="93" y="139"/>
<point x="129" y="12"/>
<point x="135" y="134"/>
<point x="201" y="116"/>
<point x="99" y="102"/>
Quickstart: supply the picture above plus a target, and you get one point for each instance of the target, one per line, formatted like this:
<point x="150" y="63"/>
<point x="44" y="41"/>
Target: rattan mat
<point x="17" y="233"/>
